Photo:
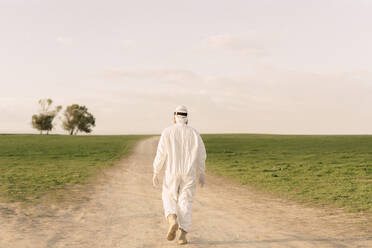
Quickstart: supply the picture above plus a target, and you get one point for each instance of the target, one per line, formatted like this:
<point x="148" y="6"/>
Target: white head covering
<point x="181" y="118"/>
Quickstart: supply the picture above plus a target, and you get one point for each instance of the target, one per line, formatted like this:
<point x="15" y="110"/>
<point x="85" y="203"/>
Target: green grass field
<point x="33" y="165"/>
<point x="321" y="170"/>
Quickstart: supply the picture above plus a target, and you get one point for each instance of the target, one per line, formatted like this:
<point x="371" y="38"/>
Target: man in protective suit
<point x="182" y="150"/>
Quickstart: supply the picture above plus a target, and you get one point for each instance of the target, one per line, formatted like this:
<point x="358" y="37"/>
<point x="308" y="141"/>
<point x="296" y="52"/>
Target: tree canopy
<point x="43" y="121"/>
<point x="77" y="118"/>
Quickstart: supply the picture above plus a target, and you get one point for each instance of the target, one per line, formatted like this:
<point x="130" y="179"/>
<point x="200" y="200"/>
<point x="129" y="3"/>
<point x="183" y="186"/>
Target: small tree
<point x="77" y="118"/>
<point x="44" y="120"/>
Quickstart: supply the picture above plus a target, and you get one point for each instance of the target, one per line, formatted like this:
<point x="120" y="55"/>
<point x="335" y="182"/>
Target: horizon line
<point x="227" y="133"/>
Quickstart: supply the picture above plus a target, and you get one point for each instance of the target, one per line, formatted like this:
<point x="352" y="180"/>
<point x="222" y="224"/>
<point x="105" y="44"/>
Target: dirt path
<point x="124" y="210"/>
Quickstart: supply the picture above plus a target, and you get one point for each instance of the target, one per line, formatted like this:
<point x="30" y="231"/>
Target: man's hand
<point x="201" y="180"/>
<point x="155" y="180"/>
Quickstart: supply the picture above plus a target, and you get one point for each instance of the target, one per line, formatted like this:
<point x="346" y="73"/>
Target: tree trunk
<point x="76" y="131"/>
<point x="72" y="132"/>
<point x="48" y="132"/>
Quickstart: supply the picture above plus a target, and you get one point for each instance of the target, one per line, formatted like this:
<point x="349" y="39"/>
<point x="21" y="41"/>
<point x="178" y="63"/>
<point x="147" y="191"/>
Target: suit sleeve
<point x="161" y="155"/>
<point x="202" y="156"/>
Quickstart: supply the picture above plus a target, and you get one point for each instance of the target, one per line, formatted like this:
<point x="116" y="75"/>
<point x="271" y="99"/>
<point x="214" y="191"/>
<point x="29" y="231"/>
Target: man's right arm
<point x="202" y="157"/>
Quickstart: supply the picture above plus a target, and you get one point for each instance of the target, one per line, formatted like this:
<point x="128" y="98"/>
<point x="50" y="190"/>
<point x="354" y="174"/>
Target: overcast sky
<point x="239" y="66"/>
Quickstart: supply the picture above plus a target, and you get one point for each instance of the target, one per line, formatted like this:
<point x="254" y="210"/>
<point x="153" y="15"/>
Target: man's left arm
<point x="160" y="158"/>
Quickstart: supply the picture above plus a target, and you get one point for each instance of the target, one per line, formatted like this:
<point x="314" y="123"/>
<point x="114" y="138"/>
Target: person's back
<point x="183" y="151"/>
<point x="183" y="144"/>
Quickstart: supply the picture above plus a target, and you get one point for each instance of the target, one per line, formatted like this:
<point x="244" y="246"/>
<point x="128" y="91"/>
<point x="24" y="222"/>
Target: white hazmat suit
<point x="182" y="151"/>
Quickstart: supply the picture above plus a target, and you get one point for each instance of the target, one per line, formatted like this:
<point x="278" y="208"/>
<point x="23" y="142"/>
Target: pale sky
<point x="287" y="67"/>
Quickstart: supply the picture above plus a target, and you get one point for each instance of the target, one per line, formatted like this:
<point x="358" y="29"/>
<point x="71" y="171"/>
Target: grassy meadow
<point x="332" y="170"/>
<point x="33" y="165"/>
